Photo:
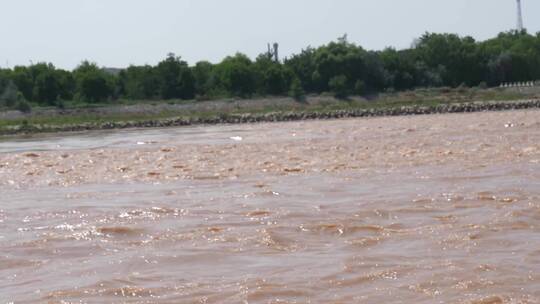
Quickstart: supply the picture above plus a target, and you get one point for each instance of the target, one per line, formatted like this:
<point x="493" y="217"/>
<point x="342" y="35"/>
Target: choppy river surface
<point x="429" y="209"/>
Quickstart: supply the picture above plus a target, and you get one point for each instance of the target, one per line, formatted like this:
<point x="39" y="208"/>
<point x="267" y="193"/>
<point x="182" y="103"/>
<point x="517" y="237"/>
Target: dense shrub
<point x="9" y="95"/>
<point x="296" y="91"/>
<point x="341" y="67"/>
<point x="23" y="106"/>
<point x="338" y="85"/>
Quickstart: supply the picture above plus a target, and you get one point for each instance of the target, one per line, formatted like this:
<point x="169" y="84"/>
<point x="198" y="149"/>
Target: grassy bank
<point x="175" y="113"/>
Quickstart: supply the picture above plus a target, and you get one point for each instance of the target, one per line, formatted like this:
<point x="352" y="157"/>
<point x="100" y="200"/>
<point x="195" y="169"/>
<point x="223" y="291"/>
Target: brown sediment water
<point x="424" y="209"/>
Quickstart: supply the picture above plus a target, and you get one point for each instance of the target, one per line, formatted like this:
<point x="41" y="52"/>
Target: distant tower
<point x="276" y="52"/>
<point x="520" y="16"/>
<point x="273" y="52"/>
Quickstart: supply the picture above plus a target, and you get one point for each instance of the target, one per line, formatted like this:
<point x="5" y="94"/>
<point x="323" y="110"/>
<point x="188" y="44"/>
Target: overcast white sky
<point x="116" y="33"/>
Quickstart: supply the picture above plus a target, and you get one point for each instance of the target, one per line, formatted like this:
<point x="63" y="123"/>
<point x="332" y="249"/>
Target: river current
<point x="426" y="209"/>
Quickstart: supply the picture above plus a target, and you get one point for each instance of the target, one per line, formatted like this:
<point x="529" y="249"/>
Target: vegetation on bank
<point x="340" y="67"/>
<point x="180" y="112"/>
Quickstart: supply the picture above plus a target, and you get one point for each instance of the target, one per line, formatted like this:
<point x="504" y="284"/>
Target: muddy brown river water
<point x="425" y="209"/>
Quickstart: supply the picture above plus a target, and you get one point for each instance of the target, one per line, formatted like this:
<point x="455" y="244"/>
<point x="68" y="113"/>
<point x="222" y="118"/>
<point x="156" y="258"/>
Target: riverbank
<point x="86" y="123"/>
<point x="170" y="113"/>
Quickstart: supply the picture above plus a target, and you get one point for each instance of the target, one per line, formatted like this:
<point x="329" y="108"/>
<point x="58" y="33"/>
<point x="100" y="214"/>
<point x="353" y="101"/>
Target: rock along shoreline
<point x="281" y="117"/>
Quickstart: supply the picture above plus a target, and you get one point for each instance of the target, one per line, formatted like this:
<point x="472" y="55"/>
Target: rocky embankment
<point x="228" y="118"/>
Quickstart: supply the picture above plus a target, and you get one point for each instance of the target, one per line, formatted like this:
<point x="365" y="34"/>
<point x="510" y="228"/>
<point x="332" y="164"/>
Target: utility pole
<point x="519" y="17"/>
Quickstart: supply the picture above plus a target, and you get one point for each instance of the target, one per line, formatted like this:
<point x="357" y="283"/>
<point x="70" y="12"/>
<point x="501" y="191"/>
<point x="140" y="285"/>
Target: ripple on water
<point x="438" y="215"/>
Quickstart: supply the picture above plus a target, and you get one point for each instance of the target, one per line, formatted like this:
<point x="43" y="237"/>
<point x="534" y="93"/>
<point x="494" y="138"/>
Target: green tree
<point x="47" y="87"/>
<point x="457" y="58"/>
<point x="23" y="105"/>
<point x="67" y="84"/>
<point x="236" y="75"/>
<point x="338" y="85"/>
<point x="340" y="59"/>
<point x="360" y="87"/>
<point x="176" y="79"/>
<point x="92" y="83"/>
<point x="296" y="90"/>
<point x="139" y="82"/>
<point x="205" y="80"/>
<point x="303" y="67"/>
<point x="23" y="80"/>
<point x="9" y="95"/>
<point x="272" y="77"/>
<point x="339" y="66"/>
<point x="400" y="66"/>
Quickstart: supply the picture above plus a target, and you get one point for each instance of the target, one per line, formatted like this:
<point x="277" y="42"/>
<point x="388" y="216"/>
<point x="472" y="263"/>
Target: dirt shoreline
<point x="228" y="118"/>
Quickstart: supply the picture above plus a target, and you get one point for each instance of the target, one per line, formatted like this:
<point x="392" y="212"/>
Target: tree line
<point x="340" y="67"/>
